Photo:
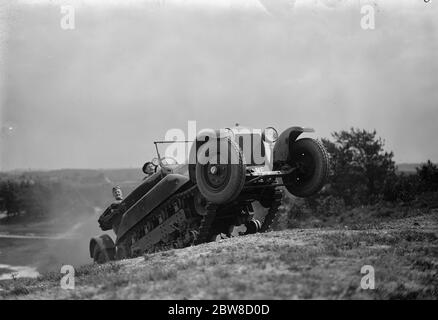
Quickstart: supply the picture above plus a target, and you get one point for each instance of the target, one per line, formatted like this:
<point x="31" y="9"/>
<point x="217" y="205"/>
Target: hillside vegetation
<point x="289" y="264"/>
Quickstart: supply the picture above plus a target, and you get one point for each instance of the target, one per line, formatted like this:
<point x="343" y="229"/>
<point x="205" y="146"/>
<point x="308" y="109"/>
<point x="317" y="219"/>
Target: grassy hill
<point x="299" y="263"/>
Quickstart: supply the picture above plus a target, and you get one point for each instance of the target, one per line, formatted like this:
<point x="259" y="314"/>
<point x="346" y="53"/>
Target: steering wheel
<point x="165" y="161"/>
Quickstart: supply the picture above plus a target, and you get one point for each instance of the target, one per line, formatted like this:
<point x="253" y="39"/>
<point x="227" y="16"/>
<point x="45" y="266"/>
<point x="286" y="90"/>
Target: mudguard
<point x="104" y="241"/>
<point x="152" y="199"/>
<point x="284" y="143"/>
<point x="142" y="189"/>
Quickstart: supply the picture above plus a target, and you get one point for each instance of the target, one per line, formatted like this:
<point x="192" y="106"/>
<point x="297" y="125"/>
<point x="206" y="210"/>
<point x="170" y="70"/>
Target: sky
<point x="99" y="95"/>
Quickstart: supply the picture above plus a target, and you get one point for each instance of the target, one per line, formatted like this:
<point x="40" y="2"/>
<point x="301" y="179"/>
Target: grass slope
<point x="291" y="264"/>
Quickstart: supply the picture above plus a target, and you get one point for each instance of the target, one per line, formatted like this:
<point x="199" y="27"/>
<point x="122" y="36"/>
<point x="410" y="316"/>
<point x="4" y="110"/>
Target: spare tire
<point x="311" y="163"/>
<point x="220" y="170"/>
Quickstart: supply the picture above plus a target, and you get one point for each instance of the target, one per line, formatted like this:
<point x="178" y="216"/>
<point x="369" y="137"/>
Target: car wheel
<point x="311" y="163"/>
<point x="220" y="175"/>
<point x="100" y="255"/>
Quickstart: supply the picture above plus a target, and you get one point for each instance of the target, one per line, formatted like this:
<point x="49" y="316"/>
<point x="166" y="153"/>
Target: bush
<point x="359" y="166"/>
<point x="407" y="188"/>
<point x="428" y="177"/>
<point x="401" y="188"/>
<point x="363" y="186"/>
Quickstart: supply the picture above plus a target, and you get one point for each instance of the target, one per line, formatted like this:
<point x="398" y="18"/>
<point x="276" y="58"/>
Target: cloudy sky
<point x="98" y="95"/>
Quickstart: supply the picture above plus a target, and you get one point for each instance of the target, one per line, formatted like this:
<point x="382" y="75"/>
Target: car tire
<point x="221" y="182"/>
<point x="101" y="255"/>
<point x="311" y="161"/>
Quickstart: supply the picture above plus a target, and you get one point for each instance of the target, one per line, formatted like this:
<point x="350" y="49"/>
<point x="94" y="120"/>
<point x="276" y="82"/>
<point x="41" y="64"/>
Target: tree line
<point x="36" y="198"/>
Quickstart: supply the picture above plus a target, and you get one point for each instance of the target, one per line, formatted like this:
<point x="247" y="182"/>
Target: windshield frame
<point x="156" y="143"/>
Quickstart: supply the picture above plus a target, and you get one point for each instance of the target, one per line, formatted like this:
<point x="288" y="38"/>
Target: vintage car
<point x="182" y="204"/>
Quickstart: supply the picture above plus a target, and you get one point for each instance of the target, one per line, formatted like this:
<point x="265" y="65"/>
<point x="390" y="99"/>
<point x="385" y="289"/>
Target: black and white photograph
<point x="218" y="155"/>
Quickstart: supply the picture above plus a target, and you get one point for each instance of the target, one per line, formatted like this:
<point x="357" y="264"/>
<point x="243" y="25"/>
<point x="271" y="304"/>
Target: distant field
<point x="81" y="175"/>
<point x="408" y="167"/>
<point x="290" y="264"/>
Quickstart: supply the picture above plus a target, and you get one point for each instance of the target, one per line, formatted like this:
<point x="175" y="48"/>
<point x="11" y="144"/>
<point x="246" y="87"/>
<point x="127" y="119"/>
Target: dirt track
<point x="291" y="264"/>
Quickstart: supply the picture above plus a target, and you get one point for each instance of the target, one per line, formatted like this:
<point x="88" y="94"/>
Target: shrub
<point x="401" y="188"/>
<point x="359" y="166"/>
<point x="428" y="177"/>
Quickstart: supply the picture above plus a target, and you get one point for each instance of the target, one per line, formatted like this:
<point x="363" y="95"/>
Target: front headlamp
<point x="270" y="135"/>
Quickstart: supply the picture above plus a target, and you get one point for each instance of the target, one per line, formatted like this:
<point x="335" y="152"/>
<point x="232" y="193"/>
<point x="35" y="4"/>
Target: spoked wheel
<point x="311" y="163"/>
<point x="220" y="175"/>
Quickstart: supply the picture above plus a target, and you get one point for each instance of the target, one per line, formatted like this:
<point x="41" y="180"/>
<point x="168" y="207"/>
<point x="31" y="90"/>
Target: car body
<point x="226" y="172"/>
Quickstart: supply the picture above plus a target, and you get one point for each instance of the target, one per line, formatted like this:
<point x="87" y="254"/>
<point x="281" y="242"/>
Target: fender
<point x="151" y="200"/>
<point x="284" y="143"/>
<point x="104" y="241"/>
